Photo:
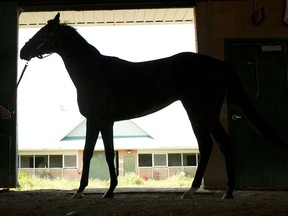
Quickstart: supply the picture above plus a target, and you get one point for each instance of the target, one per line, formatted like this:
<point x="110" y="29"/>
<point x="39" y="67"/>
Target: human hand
<point x="4" y="113"/>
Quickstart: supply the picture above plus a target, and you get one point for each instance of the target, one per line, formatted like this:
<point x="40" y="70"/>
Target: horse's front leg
<point x="92" y="131"/>
<point x="107" y="135"/>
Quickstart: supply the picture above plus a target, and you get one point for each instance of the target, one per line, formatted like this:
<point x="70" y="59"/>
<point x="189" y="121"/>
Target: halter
<point x="44" y="42"/>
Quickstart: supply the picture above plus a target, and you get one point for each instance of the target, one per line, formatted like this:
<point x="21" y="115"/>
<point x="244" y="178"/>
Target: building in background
<point x="136" y="151"/>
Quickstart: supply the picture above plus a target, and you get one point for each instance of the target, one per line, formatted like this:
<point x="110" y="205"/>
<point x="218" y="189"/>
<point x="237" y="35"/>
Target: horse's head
<point x="42" y="42"/>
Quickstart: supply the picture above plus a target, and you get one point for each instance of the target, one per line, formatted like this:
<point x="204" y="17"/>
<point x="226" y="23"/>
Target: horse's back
<point x="144" y="87"/>
<point x="186" y="66"/>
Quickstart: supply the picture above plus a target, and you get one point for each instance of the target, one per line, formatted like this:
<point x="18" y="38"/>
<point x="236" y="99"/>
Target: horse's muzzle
<point x="26" y="52"/>
<point x="25" y="55"/>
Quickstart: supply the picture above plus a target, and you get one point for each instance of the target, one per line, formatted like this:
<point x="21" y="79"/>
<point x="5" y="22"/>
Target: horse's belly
<point x="139" y="108"/>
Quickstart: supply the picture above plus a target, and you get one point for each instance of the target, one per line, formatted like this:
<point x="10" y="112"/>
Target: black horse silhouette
<point x="110" y="89"/>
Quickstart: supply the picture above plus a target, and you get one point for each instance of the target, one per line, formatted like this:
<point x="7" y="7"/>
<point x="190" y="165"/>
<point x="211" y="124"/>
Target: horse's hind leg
<point x="202" y="133"/>
<point x="107" y="135"/>
<point x="224" y="143"/>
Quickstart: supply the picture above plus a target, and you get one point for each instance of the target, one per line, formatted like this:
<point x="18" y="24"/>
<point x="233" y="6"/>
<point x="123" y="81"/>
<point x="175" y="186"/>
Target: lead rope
<point x="21" y="76"/>
<point x="23" y="71"/>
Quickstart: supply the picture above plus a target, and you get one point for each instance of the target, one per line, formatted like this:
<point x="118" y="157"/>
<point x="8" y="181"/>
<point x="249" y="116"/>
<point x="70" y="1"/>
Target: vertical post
<point x="8" y="77"/>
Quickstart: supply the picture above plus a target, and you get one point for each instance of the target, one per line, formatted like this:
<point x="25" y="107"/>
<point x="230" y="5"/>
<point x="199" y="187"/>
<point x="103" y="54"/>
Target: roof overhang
<point x="111" y="17"/>
<point x="106" y="12"/>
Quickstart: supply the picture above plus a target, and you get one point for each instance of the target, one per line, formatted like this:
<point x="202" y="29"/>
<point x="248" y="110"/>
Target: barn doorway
<point x="47" y="103"/>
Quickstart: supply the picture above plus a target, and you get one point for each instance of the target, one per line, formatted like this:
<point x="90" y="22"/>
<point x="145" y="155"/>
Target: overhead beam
<point x="65" y="5"/>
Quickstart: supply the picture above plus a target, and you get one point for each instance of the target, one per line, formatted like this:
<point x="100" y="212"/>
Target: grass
<point x="129" y="180"/>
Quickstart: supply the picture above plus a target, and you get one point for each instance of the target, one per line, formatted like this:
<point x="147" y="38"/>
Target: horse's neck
<point x="78" y="55"/>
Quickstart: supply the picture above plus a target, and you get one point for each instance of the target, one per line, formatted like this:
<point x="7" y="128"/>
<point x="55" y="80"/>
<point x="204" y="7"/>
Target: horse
<point x="110" y="89"/>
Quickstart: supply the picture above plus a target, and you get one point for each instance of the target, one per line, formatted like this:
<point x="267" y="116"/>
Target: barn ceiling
<point x="111" y="17"/>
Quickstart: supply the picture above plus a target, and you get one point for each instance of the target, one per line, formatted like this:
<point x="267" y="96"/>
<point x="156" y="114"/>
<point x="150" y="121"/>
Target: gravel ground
<point x="143" y="202"/>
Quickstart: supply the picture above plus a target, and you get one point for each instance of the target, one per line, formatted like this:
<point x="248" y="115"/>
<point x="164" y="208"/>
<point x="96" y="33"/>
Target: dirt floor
<point x="143" y="202"/>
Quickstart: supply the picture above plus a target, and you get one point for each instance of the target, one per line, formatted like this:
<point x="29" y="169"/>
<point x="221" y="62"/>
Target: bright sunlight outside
<point x="46" y="88"/>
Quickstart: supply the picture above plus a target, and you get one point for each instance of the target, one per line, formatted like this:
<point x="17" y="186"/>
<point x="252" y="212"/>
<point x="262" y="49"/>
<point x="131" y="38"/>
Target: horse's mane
<point x="72" y="30"/>
<point x="75" y="32"/>
<point x="65" y="24"/>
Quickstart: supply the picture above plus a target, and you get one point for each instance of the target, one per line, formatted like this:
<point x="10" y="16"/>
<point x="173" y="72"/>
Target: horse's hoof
<point x="108" y="195"/>
<point x="187" y="195"/>
<point x="77" y="195"/>
<point x="228" y="196"/>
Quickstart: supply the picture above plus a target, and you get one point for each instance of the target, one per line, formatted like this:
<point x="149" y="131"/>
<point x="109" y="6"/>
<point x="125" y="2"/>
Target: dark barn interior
<point x="251" y="35"/>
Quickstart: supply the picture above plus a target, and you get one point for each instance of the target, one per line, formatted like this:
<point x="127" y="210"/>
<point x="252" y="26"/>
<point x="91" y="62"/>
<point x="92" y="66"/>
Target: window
<point x="70" y="161"/>
<point x="160" y="160"/>
<point x="26" y="161"/>
<point x="55" y="161"/>
<point x="41" y="161"/>
<point x="189" y="160"/>
<point x="47" y="161"/>
<point x="174" y="160"/>
<point x="145" y="160"/>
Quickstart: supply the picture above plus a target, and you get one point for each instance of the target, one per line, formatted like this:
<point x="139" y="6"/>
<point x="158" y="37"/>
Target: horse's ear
<point x="57" y="17"/>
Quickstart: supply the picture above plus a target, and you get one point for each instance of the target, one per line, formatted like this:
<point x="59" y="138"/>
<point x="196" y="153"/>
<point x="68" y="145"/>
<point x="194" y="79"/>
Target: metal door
<point x="262" y="68"/>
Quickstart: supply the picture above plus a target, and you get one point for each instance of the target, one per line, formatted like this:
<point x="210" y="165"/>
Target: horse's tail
<point x="237" y="94"/>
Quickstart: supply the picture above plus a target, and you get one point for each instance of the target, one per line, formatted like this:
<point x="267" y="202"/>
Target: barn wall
<point x="228" y="20"/>
<point x="8" y="72"/>
<point x="233" y="19"/>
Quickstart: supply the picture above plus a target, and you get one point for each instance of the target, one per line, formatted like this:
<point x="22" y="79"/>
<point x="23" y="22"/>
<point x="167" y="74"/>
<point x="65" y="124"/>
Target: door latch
<point x="236" y="117"/>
